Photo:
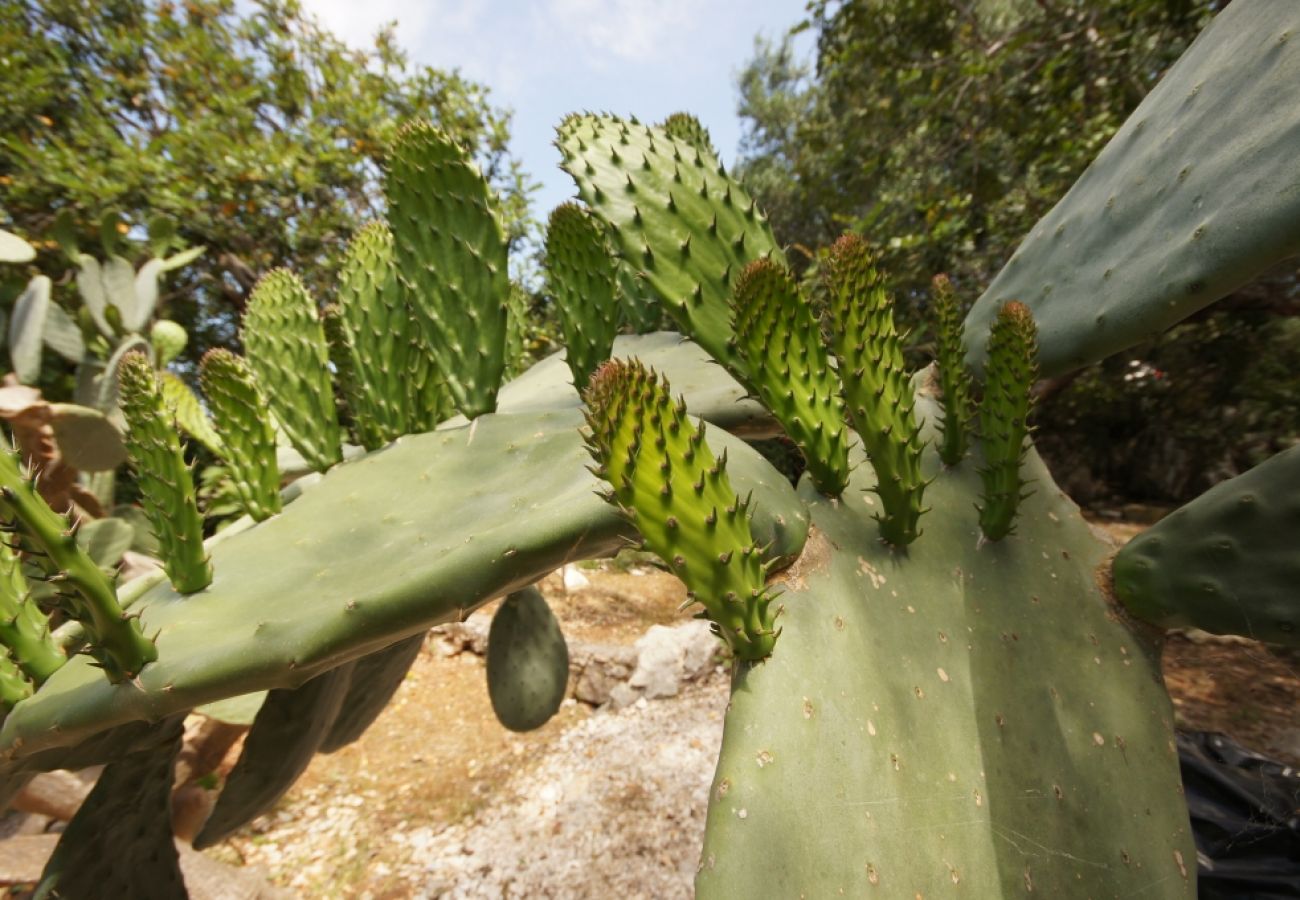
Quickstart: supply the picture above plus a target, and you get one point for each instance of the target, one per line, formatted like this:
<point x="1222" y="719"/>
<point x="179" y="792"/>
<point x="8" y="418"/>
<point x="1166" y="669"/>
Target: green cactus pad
<point x="527" y="662"/>
<point x="166" y="483"/>
<point x="379" y="332"/>
<point x="954" y="378"/>
<point x="24" y="628"/>
<point x="1174" y="213"/>
<point x="238" y="409"/>
<point x="1004" y="417"/>
<point x="685" y="127"/>
<point x="670" y="485"/>
<point x="375" y="679"/>
<point x="188" y="412"/>
<point x="353" y="396"/>
<point x="288" y="730"/>
<point x="640" y="309"/>
<point x="675" y="216"/>
<point x="288" y="352"/>
<point x="516" y="485"/>
<point x="877" y="388"/>
<point x="1227" y="562"/>
<point x="781" y="347"/>
<point x="451" y="258"/>
<point x="120" y="843"/>
<point x="966" y="720"/>
<point x="582" y="278"/>
<point x="114" y="639"/>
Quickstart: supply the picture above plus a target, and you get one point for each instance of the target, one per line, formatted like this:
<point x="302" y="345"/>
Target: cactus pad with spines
<point x="352" y="395"/>
<point x="288" y="352"/>
<point x="877" y="389"/>
<point x="451" y="258"/>
<point x="582" y="277"/>
<point x="954" y="378"/>
<point x="187" y="412"/>
<point x="1004" y="417"/>
<point x="166" y="483"/>
<point x="780" y="345"/>
<point x="686" y="127"/>
<point x="675" y="216"/>
<point x="85" y="593"/>
<point x="681" y="501"/>
<point x="530" y="507"/>
<point x="24" y="628"/>
<point x="972" y="719"/>
<point x="238" y="409"/>
<point x="380" y="334"/>
<point x="1177" y="210"/>
<point x="1227" y="562"/>
<point x="527" y="662"/>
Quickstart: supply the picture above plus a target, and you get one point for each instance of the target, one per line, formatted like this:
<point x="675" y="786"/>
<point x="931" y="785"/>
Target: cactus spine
<point x="679" y="496"/>
<point x="115" y="639"/>
<point x="166" y="482"/>
<point x="24" y="628"/>
<point x="1004" y="416"/>
<point x="954" y="379"/>
<point x="877" y="389"/>
<point x="237" y="405"/>
<point x="780" y="343"/>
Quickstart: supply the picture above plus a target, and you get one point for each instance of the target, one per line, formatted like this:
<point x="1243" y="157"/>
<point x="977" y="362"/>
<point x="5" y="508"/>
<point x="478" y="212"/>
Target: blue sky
<point x="545" y="58"/>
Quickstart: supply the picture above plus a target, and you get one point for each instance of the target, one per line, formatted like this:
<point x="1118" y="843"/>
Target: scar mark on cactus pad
<point x="814" y="558"/>
<point x="869" y="570"/>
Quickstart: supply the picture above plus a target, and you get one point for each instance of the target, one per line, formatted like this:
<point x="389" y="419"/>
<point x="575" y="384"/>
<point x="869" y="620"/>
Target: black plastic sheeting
<point x="1245" y="817"/>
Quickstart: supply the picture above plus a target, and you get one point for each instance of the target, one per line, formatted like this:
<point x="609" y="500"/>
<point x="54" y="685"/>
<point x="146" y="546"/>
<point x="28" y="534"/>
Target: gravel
<point x="614" y="809"/>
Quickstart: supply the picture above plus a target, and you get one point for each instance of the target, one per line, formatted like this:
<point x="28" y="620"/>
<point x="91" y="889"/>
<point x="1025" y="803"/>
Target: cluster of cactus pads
<point x="936" y="685"/>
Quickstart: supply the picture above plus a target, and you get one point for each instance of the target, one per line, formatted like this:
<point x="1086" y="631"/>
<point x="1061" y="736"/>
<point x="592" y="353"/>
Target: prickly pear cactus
<point x="450" y="253"/>
<point x="675" y="216"/>
<point x="584" y="282"/>
<point x="1226" y="562"/>
<point x="927" y="713"/>
<point x="288" y="352"/>
<point x="968" y="717"/>
<point x="1174" y="213"/>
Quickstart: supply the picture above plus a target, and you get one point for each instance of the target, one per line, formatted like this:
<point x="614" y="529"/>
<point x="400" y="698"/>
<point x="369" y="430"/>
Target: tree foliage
<point x="942" y="131"/>
<point x="256" y="131"/>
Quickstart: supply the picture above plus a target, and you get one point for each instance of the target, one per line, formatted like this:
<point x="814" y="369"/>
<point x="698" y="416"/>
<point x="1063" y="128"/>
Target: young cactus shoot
<point x="678" y="495"/>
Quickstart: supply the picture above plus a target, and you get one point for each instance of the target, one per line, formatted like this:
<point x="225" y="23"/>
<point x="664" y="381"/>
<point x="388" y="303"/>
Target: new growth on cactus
<point x="681" y="501"/>
<point x="877" y="388"/>
<point x="1004" y="416"/>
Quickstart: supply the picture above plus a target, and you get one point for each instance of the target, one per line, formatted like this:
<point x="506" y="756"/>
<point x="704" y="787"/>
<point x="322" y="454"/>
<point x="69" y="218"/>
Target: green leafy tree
<point x="258" y="133"/>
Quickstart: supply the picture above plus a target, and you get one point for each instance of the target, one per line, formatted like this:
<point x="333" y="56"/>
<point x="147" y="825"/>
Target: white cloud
<point x="625" y="30"/>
